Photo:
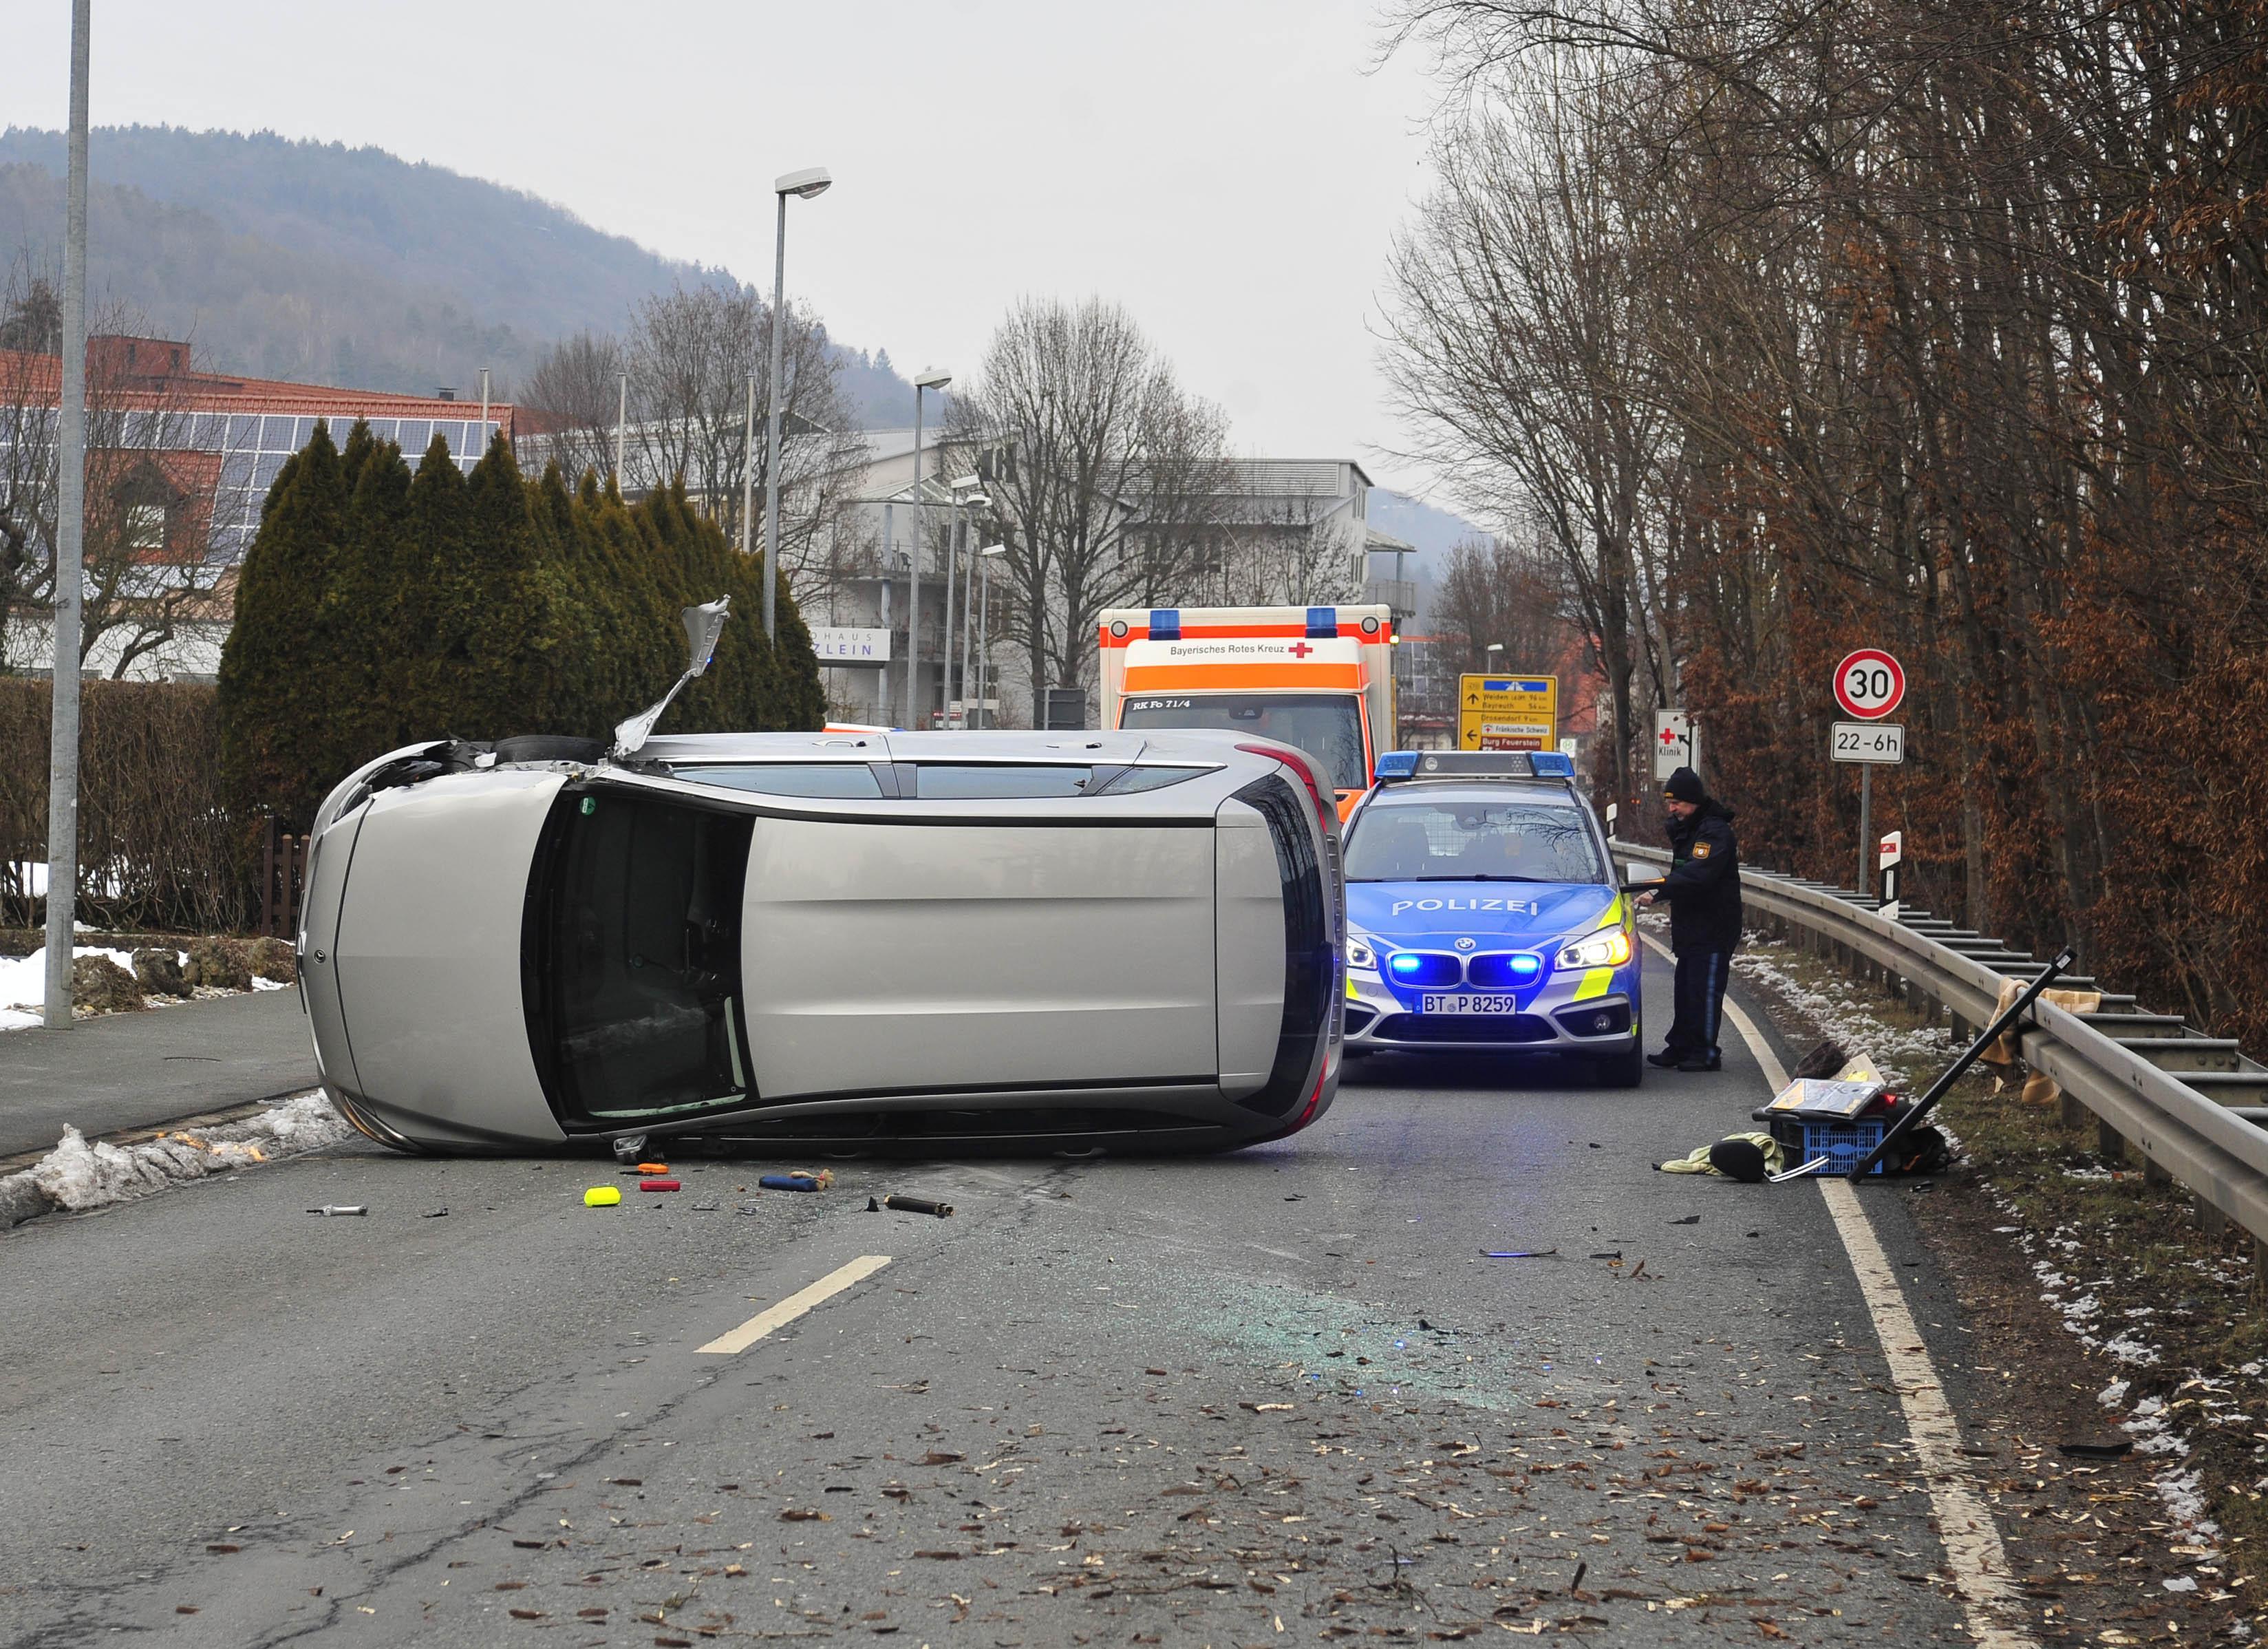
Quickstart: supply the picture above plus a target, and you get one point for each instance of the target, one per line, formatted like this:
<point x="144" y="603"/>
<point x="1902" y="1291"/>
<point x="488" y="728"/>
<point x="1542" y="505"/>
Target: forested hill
<point x="350" y="266"/>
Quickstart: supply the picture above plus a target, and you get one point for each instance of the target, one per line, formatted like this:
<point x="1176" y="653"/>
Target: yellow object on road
<point x="602" y="1197"/>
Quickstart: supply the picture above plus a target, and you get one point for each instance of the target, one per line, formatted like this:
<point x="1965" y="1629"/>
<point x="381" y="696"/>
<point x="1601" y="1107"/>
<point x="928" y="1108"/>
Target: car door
<point x="970" y="954"/>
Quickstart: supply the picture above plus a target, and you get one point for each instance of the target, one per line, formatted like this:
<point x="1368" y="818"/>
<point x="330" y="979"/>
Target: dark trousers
<point x="1700" y="999"/>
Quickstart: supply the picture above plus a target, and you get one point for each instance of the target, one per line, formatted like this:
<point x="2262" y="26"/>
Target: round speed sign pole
<point x="1869" y="684"/>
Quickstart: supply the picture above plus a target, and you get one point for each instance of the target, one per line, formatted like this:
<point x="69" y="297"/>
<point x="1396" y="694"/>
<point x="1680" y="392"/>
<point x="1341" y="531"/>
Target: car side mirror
<point x="704" y="624"/>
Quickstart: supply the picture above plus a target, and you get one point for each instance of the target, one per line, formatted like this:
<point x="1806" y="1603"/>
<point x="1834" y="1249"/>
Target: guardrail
<point x="2191" y="1105"/>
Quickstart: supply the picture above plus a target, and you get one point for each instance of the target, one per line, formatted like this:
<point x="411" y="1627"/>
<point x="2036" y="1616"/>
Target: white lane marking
<point x="795" y="1304"/>
<point x="1973" y="1551"/>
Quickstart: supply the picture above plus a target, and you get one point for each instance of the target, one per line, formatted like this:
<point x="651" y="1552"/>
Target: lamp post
<point x="984" y="626"/>
<point x="933" y="379"/>
<point x="805" y="185"/>
<point x="963" y="493"/>
<point x="622" y="424"/>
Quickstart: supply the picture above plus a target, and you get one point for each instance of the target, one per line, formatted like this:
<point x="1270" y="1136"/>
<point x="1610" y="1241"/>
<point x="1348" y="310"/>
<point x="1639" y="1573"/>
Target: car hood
<point x="1498" y="914"/>
<point x="428" y="957"/>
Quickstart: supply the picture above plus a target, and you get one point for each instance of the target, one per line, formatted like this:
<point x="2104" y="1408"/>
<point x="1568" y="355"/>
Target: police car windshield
<point x="1443" y="840"/>
<point x="1327" y="725"/>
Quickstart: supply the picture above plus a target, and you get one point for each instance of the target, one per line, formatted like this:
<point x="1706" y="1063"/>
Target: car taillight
<point x="1327" y="812"/>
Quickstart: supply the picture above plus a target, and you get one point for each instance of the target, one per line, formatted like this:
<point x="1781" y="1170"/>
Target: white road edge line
<point x="794" y="1305"/>
<point x="1972" y="1545"/>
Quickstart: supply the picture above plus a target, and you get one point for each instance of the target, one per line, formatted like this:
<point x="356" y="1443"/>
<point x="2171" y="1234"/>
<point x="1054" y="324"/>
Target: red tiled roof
<point x="29" y="377"/>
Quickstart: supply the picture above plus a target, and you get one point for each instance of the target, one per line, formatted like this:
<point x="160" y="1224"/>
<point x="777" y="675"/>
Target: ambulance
<point x="1320" y="679"/>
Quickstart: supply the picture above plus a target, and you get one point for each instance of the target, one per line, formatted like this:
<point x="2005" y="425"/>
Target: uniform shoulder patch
<point x="1700" y="850"/>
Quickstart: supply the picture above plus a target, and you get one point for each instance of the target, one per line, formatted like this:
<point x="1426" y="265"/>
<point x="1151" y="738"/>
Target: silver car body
<point x="1154" y="959"/>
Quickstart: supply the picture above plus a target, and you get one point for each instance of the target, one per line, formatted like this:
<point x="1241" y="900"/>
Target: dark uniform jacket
<point x="1704" y="886"/>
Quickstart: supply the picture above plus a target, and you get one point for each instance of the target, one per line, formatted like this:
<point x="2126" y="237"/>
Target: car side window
<point x="940" y="781"/>
<point x="845" y="781"/>
<point x="1129" y="780"/>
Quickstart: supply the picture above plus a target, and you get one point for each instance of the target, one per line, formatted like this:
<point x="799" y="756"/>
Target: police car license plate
<point x="1473" y="1004"/>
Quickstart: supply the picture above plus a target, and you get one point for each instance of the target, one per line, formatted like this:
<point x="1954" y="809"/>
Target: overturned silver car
<point x="947" y="940"/>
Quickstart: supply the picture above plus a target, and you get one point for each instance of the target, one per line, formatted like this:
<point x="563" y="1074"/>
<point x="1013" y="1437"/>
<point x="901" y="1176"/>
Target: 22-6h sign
<point x="1868" y="684"/>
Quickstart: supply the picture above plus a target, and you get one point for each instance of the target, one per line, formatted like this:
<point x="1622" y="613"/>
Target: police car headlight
<point x="1360" y="955"/>
<point x="1608" y="949"/>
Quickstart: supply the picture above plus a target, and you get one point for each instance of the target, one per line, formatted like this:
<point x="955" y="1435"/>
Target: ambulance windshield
<point x="1326" y="725"/>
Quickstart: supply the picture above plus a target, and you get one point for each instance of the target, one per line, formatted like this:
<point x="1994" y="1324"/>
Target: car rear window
<point x="948" y="781"/>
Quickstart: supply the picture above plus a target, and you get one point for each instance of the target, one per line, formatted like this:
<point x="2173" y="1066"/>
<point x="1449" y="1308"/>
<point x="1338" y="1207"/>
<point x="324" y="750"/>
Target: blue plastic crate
<point x="1843" y="1144"/>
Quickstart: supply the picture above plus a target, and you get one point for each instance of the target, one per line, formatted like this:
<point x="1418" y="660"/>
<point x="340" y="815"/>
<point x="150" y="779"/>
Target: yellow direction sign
<point x="1508" y="712"/>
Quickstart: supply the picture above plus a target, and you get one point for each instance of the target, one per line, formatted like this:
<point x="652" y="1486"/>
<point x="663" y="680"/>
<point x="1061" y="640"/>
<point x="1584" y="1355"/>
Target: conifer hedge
<point x="376" y="606"/>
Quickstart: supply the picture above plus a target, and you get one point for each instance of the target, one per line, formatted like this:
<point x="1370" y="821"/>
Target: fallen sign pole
<point x="1927" y="1103"/>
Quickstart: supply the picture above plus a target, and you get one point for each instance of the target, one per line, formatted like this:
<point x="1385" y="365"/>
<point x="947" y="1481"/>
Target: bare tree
<point x="1109" y="483"/>
<point x="572" y="398"/>
<point x="149" y="566"/>
<point x="1509" y="591"/>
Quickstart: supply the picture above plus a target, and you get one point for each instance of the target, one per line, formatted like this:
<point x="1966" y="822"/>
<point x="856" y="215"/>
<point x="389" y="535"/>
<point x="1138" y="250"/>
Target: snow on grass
<point x="78" y="1175"/>
<point x="24" y="982"/>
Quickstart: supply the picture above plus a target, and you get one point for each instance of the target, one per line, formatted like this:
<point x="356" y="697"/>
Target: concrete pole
<point x="622" y="423"/>
<point x="71" y="522"/>
<point x="913" y="581"/>
<point x="748" y="483"/>
<point x="944" y="636"/>
<point x="483" y="441"/>
<point x="772" y="431"/>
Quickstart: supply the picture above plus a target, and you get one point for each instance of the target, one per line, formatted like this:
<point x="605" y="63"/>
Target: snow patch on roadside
<point x="24" y="982"/>
<point x="78" y="1175"/>
<point x="1839" y="1009"/>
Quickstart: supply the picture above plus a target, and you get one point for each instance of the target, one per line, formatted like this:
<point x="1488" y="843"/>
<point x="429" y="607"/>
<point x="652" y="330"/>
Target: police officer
<point x="1703" y="891"/>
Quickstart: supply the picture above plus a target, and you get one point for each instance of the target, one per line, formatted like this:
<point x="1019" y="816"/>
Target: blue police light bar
<point x="1413" y="764"/>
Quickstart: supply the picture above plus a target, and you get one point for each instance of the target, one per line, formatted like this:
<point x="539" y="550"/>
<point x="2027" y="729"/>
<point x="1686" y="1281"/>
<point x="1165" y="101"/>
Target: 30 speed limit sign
<point x="1868" y="684"/>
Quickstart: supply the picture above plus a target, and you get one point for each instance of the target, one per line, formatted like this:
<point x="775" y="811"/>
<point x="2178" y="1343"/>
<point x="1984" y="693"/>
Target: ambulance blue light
<point x="1165" y="623"/>
<point x="1322" y="622"/>
<point x="1397" y="765"/>
<point x="1551" y="764"/>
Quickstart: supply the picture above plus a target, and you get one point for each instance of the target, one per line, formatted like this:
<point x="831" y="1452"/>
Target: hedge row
<point x="159" y="850"/>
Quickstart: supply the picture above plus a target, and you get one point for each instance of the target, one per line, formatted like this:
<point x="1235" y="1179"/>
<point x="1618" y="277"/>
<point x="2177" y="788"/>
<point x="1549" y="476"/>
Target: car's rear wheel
<point x="1620" y="1071"/>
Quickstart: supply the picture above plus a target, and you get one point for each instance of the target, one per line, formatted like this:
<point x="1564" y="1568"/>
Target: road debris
<point x="602" y="1197"/>
<point x="659" y="1185"/>
<point x="1518" y="1254"/>
<point x="911" y="1206"/>
<point x="798" y="1182"/>
<point x="336" y="1211"/>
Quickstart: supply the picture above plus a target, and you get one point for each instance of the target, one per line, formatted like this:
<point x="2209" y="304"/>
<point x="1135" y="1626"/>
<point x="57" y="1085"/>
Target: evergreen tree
<point x="361" y="617"/>
<point x="275" y="697"/>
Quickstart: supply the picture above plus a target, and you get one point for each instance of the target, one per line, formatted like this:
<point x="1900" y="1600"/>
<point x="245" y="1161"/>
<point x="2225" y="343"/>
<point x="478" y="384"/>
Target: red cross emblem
<point x="1668" y="737"/>
<point x="1299" y="650"/>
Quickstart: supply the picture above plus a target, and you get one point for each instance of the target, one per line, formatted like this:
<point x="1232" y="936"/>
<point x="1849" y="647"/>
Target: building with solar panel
<point x="179" y="463"/>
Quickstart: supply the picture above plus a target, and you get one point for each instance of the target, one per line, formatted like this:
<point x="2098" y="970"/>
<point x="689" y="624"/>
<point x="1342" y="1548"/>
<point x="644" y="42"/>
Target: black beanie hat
<point x="1685" y="785"/>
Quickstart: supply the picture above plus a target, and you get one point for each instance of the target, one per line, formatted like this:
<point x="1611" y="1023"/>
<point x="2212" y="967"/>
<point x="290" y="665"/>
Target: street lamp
<point x="963" y="492"/>
<point x="933" y="379"/>
<point x="805" y="185"/>
<point x="984" y="626"/>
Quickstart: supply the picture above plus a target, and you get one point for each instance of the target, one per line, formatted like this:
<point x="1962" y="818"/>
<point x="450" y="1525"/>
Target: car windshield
<point x="1463" y="841"/>
<point x="1327" y="725"/>
<point x="641" y="957"/>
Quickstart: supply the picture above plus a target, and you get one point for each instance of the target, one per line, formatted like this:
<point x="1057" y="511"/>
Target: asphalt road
<point x="1277" y="1397"/>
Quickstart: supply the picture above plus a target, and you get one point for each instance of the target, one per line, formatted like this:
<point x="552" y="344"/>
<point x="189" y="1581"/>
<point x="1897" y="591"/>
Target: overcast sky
<point x="1230" y="170"/>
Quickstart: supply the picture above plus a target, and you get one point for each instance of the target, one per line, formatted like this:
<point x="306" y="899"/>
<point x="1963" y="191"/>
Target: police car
<point x="1483" y="914"/>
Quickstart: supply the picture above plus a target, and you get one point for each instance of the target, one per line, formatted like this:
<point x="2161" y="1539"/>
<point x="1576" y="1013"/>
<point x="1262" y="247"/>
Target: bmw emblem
<point x="1465" y="945"/>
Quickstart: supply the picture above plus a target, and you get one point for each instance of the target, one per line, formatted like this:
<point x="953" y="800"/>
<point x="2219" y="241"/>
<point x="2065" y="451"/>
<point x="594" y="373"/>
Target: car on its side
<point x="1483" y="916"/>
<point x="1071" y="941"/>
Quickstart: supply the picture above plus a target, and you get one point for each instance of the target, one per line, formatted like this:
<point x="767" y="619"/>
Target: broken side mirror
<point x="704" y="624"/>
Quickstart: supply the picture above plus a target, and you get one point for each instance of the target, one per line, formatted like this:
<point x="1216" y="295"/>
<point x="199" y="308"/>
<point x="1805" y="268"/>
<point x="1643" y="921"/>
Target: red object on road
<point x="658" y="1185"/>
